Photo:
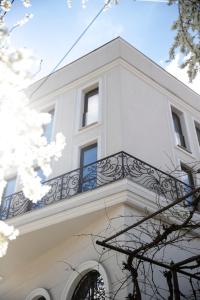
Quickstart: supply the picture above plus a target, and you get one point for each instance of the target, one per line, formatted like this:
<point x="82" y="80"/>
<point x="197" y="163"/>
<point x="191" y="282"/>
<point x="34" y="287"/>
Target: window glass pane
<point x="187" y="178"/>
<point x="88" y="174"/>
<point x="90" y="287"/>
<point x="180" y="140"/>
<point x="40" y="202"/>
<point x="92" y="114"/>
<point x="89" y="155"/>
<point x="91" y="107"/>
<point x="9" y="190"/>
<point x="48" y="127"/>
<point x="41" y="174"/>
<point x="10" y="187"/>
<point x="198" y="134"/>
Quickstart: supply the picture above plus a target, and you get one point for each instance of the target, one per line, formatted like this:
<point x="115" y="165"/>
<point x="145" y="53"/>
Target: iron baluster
<point x="102" y="172"/>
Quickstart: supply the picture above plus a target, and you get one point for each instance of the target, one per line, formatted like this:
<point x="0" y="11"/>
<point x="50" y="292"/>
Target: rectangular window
<point x="6" y="200"/>
<point x="40" y="202"/>
<point x="180" y="139"/>
<point x="49" y="127"/>
<point x="187" y="177"/>
<point x="40" y="174"/>
<point x="88" y="173"/>
<point x="91" y="107"/>
<point x="10" y="187"/>
<point x="197" y="127"/>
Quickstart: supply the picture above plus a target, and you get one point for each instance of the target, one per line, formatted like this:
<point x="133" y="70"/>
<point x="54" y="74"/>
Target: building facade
<point x="115" y="107"/>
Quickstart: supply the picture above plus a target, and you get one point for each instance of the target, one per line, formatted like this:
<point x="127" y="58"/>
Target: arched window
<point x="90" y="287"/>
<point x="39" y="294"/>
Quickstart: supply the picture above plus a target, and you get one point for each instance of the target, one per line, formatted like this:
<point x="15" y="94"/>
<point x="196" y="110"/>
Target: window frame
<point x="81" y="179"/>
<point x="85" y="148"/>
<point x="197" y="128"/>
<point x="6" y="200"/>
<point x="82" y="89"/>
<point x="37" y="293"/>
<point x="81" y="270"/>
<point x="87" y="278"/>
<point x="52" y="112"/>
<point x="86" y="95"/>
<point x="14" y="190"/>
<point x="183" y="128"/>
<point x="187" y="170"/>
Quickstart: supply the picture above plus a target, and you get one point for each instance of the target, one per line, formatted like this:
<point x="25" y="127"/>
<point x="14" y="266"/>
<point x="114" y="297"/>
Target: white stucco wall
<point x="135" y="98"/>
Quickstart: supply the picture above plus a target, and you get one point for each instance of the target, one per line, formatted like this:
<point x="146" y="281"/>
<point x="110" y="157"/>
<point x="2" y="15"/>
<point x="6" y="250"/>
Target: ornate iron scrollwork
<point x="104" y="171"/>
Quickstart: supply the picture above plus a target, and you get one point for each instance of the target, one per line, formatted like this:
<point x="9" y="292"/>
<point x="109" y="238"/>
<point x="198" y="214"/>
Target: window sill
<point x="184" y="150"/>
<point x="95" y="124"/>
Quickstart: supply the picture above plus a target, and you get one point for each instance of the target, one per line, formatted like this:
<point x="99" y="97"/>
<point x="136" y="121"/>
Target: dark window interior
<point x="88" y="173"/>
<point x="90" y="287"/>
<point x="198" y="133"/>
<point x="187" y="177"/>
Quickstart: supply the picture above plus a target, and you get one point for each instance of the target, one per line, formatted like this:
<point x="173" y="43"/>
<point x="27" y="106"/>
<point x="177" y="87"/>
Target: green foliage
<point x="187" y="38"/>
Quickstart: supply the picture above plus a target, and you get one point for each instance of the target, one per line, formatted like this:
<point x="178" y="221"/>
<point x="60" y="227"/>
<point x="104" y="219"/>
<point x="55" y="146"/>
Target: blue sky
<point x="145" y="25"/>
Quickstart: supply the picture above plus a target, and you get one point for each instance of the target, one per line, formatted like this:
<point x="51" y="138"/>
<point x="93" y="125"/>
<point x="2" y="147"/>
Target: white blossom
<point x="26" y="3"/>
<point x="23" y="146"/>
<point x="7" y="233"/>
<point x="69" y="3"/>
<point x="6" y="5"/>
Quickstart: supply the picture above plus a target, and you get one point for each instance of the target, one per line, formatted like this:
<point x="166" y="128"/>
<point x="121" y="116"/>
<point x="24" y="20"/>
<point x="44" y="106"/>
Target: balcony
<point x="104" y="171"/>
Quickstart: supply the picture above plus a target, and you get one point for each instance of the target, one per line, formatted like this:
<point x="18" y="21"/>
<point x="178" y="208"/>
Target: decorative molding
<point x="39" y="292"/>
<point x="81" y="271"/>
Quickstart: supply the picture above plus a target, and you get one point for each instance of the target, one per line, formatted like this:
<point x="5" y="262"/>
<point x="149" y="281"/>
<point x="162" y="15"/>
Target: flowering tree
<point x="187" y="37"/>
<point x="23" y="146"/>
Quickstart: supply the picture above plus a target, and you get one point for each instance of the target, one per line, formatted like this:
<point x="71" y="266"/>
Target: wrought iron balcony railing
<point x="102" y="172"/>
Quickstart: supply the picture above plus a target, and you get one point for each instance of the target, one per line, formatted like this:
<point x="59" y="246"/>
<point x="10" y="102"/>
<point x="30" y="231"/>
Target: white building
<point x="111" y="100"/>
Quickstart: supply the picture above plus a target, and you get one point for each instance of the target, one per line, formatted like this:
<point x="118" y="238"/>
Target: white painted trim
<point x="81" y="271"/>
<point x="76" y="82"/>
<point x="39" y="292"/>
<point x="124" y="52"/>
<point x="196" y="123"/>
<point x="80" y="104"/>
<point x="87" y="142"/>
<point x="184" y="125"/>
<point x="155" y="84"/>
<point x="85" y="203"/>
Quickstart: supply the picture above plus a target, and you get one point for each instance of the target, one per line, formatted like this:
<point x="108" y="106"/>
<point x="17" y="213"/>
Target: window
<point x="88" y="173"/>
<point x="187" y="176"/>
<point x="90" y="287"/>
<point x="6" y="200"/>
<point x="40" y="174"/>
<point x="188" y="179"/>
<point x="48" y="127"/>
<point x="197" y="127"/>
<point x="91" y="107"/>
<point x="180" y="139"/>
<point x="39" y="294"/>
<point x="40" y="202"/>
<point x="10" y="187"/>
